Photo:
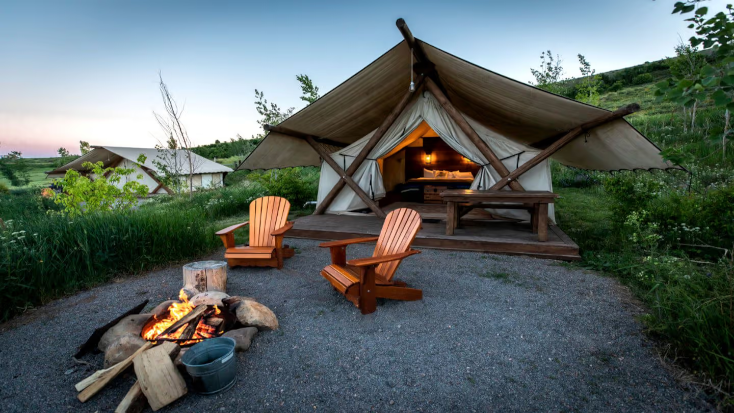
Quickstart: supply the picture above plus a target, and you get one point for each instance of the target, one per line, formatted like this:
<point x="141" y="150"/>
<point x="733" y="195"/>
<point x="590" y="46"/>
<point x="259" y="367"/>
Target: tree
<point x="81" y="194"/>
<point x="15" y="168"/>
<point x="550" y="74"/>
<point x="309" y="92"/>
<point x="588" y="88"/>
<point x="176" y="132"/>
<point x="711" y="82"/>
<point x="84" y="147"/>
<point x="170" y="165"/>
<point x="686" y="65"/>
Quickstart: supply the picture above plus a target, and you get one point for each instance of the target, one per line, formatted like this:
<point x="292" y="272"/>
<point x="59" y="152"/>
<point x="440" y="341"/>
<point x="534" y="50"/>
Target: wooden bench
<point x="461" y="201"/>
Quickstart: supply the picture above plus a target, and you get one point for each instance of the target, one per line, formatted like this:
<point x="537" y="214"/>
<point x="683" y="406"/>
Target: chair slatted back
<point x="398" y="232"/>
<point x="266" y="215"/>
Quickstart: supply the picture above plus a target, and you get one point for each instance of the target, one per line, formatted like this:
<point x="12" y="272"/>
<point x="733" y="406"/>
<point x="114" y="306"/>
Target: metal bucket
<point x="212" y="365"/>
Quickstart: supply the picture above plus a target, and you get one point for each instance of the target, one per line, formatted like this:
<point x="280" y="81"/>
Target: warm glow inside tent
<point x="423" y="117"/>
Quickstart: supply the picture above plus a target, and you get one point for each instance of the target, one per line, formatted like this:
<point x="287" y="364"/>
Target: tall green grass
<point x="46" y="257"/>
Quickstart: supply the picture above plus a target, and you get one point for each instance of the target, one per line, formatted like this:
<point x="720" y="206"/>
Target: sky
<point x="88" y="70"/>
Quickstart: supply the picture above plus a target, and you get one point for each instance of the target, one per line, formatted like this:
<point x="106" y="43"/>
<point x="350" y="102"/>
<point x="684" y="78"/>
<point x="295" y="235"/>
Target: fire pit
<point x="185" y="323"/>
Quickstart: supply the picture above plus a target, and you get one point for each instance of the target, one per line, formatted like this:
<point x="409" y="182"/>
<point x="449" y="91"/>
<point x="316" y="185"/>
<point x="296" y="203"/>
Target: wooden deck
<point x="475" y="234"/>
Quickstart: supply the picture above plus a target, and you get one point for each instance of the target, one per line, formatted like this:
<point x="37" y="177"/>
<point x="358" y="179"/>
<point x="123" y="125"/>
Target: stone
<point x="130" y="325"/>
<point x="209" y="298"/>
<point x="161" y="310"/>
<point x="121" y="348"/>
<point x="242" y="337"/>
<point x="190" y="292"/>
<point x="250" y="313"/>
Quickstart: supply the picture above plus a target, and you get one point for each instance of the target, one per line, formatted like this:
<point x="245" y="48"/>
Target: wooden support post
<point x="542" y="221"/>
<point x="379" y="133"/>
<point x="160" y="184"/>
<point x="471" y="134"/>
<point x="568" y="137"/>
<point x="346" y="178"/>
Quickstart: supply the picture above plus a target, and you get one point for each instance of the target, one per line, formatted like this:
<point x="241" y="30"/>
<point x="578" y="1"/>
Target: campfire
<point x="187" y="324"/>
<point x="154" y="342"/>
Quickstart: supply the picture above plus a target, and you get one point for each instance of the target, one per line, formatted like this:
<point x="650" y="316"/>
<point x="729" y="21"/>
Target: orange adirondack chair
<point x="364" y="280"/>
<point x="268" y="225"/>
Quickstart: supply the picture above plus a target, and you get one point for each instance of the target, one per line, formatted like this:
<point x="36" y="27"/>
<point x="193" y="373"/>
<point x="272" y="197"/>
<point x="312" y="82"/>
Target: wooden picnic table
<point x="461" y="201"/>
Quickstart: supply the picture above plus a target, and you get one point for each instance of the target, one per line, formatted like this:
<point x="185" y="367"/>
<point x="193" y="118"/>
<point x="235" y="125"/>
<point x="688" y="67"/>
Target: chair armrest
<point x="232" y="228"/>
<point x="281" y="231"/>
<point x="366" y="262"/>
<point x="343" y="242"/>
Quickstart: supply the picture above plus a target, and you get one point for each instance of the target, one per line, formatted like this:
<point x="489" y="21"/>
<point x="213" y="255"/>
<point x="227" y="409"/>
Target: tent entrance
<point x="422" y="166"/>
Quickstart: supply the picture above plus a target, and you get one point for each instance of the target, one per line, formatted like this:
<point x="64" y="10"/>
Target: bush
<point x="617" y="86"/>
<point x="642" y="79"/>
<point x="4" y="189"/>
<point x="298" y="185"/>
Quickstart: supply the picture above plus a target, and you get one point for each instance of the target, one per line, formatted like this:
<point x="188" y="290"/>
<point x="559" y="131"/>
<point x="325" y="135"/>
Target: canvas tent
<point x="207" y="173"/>
<point x="509" y="117"/>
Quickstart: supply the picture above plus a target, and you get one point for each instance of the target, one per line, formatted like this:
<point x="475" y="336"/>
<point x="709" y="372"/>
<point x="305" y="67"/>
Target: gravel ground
<point x="493" y="333"/>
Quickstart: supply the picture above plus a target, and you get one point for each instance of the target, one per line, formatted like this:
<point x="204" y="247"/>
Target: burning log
<point x="100" y="379"/>
<point x="191" y="328"/>
<point x="184" y="320"/>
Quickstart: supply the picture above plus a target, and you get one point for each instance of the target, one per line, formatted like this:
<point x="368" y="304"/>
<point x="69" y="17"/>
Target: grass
<point x="37" y="168"/>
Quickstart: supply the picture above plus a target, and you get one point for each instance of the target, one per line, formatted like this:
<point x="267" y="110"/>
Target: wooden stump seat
<point x="364" y="280"/>
<point x="268" y="224"/>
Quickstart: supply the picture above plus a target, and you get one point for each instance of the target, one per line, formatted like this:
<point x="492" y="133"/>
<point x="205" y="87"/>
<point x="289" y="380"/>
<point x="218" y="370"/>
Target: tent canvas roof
<point x="513" y="109"/>
<point x="108" y="154"/>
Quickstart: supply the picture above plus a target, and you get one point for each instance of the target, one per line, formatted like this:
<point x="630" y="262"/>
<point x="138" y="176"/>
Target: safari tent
<point x="207" y="174"/>
<point x="375" y="135"/>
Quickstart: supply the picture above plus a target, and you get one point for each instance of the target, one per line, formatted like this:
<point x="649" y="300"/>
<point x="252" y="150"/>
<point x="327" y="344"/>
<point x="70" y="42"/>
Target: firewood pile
<point x="153" y="343"/>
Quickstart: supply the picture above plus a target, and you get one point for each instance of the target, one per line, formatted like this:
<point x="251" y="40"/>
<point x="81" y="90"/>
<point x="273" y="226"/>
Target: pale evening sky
<point x="87" y="70"/>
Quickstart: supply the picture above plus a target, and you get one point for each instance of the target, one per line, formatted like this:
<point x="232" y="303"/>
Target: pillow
<point x="464" y="175"/>
<point x="441" y="174"/>
<point x="427" y="173"/>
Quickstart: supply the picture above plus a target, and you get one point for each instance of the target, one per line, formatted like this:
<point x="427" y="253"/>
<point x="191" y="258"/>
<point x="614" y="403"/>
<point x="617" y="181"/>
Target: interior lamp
<point x="428" y="158"/>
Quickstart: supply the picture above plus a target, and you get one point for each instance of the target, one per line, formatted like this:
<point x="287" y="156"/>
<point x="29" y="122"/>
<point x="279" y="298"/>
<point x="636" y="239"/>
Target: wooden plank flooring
<point x="500" y="237"/>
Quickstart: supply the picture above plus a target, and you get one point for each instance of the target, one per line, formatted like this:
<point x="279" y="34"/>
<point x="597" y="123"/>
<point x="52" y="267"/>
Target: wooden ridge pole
<point x="346" y="178"/>
<point x="379" y="133"/>
<point x="418" y="52"/>
<point x="568" y="137"/>
<point x="472" y="134"/>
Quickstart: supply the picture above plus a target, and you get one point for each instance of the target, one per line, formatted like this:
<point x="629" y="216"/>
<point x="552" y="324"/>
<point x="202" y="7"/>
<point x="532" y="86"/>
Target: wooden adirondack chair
<point x="268" y="224"/>
<point x="364" y="280"/>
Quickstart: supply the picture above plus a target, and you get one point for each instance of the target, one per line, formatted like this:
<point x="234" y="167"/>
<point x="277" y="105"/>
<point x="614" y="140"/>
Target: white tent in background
<point x="207" y="174"/>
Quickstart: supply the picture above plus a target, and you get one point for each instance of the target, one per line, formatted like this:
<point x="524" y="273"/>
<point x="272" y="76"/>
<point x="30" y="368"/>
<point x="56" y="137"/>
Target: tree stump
<point x="206" y="276"/>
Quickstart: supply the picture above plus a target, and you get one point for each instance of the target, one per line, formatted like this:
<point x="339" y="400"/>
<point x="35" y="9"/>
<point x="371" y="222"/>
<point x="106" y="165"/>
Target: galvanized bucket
<point x="212" y="365"/>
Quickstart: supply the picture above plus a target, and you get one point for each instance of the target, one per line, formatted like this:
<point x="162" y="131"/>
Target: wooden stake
<point x="558" y="144"/>
<point x="159" y="379"/>
<point x="379" y="133"/>
<point x="346" y="178"/>
<point x="133" y="402"/>
<point x="471" y="133"/>
<point x="101" y="380"/>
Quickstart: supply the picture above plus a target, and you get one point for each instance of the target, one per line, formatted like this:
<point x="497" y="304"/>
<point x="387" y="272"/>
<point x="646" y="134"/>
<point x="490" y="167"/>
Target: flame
<point x="176" y="311"/>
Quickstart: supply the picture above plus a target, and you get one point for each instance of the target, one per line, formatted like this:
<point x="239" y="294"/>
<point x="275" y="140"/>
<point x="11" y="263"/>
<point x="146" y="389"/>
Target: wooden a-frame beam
<point x="379" y="133"/>
<point x="420" y="55"/>
<point x="297" y="134"/>
<point x="346" y="178"/>
<point x="568" y="137"/>
<point x="471" y="134"/>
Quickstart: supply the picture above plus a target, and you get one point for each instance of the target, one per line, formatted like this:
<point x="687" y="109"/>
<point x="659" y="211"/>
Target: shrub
<point x="298" y="185"/>
<point x="617" y="86"/>
<point x="642" y="79"/>
<point x="4" y="189"/>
